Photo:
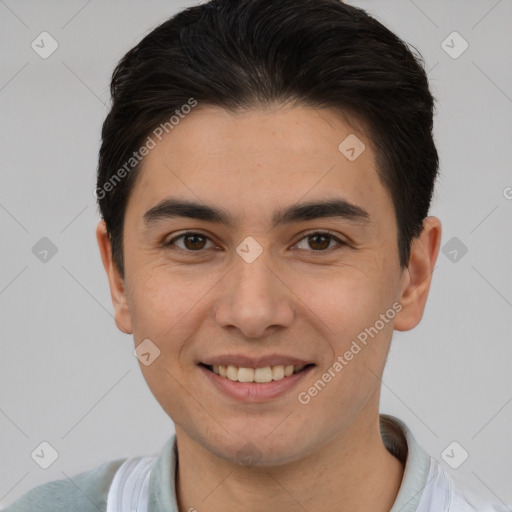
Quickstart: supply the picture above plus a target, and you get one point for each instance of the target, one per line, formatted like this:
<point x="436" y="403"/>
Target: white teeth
<point x="232" y="373"/>
<point x="263" y="374"/>
<point x="266" y="374"/>
<point x="245" y="375"/>
<point x="277" y="372"/>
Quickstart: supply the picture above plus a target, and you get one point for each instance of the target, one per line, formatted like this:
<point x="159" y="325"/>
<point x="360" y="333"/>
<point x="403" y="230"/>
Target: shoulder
<point x="464" y="500"/>
<point x="457" y="497"/>
<point x="85" y="492"/>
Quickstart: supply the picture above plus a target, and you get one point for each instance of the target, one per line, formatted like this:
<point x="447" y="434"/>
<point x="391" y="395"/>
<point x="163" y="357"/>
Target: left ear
<point x="418" y="275"/>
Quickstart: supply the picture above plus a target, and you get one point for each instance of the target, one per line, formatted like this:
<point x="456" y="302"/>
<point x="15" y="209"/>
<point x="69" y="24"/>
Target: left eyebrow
<point x="321" y="209"/>
<point x="332" y="208"/>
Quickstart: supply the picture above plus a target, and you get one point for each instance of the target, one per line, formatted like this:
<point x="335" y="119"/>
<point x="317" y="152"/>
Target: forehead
<point x="247" y="160"/>
<point x="262" y="131"/>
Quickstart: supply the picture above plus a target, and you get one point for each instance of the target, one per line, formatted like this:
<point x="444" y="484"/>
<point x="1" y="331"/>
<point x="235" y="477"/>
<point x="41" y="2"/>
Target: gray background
<point x="69" y="376"/>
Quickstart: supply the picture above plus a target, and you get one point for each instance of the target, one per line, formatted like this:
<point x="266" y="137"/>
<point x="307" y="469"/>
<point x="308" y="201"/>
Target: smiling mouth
<point x="256" y="375"/>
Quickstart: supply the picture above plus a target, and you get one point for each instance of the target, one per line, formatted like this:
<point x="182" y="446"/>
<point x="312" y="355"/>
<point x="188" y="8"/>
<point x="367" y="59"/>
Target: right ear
<point x="117" y="287"/>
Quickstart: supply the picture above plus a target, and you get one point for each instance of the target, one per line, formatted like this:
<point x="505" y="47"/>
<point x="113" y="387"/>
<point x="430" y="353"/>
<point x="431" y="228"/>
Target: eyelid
<point x="320" y="232"/>
<point x="327" y="232"/>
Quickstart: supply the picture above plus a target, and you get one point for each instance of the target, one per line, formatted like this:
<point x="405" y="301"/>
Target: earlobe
<point x="117" y="286"/>
<point x="417" y="277"/>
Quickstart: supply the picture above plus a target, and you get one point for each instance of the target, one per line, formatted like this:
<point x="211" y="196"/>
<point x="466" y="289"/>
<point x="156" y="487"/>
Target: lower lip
<point x="252" y="391"/>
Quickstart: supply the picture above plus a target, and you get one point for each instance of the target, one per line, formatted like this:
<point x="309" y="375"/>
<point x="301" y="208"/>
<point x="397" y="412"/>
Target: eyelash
<point x="332" y="236"/>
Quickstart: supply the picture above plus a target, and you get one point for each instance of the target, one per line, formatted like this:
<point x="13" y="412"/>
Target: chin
<point x="260" y="450"/>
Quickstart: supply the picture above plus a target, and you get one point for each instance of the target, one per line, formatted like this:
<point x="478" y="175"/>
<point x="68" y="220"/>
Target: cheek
<point x="167" y="307"/>
<point x="348" y="308"/>
<point x="346" y="301"/>
<point x="164" y="300"/>
<point x="357" y="340"/>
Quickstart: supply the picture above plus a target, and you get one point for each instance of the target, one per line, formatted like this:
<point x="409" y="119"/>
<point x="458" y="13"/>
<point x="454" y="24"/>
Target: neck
<point x="353" y="476"/>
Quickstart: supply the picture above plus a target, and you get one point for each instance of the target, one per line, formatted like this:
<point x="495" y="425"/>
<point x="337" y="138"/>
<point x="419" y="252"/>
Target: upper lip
<point x="255" y="362"/>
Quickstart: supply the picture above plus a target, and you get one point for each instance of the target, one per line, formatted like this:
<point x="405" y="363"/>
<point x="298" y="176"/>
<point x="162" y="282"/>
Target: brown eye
<point x="194" y="242"/>
<point x="319" y="241"/>
<point x="189" y="242"/>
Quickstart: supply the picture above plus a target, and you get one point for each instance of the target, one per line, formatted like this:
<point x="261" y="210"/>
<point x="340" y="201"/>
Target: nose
<point x="254" y="299"/>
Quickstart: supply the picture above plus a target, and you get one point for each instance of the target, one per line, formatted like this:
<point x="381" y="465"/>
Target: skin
<point x="293" y="300"/>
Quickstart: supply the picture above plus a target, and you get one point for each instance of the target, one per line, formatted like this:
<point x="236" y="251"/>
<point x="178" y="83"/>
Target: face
<point x="284" y="254"/>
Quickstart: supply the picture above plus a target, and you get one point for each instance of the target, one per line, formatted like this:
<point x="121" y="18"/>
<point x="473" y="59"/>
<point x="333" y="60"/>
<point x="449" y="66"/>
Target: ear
<point x="116" y="282"/>
<point x="416" y="278"/>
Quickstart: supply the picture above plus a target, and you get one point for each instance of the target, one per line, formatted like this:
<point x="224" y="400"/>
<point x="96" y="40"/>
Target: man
<point x="264" y="182"/>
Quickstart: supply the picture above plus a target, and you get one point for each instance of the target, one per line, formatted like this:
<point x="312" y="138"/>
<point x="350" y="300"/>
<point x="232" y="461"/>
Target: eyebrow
<point x="330" y="208"/>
